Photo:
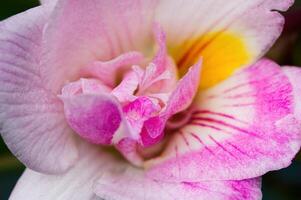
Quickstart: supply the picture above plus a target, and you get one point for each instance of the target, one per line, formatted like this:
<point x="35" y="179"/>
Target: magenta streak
<point x="239" y="105"/>
<point x="200" y="141"/>
<point x="214" y="113"/>
<point x="237" y="87"/>
<point x="238" y="149"/>
<point x="251" y="82"/>
<point x="241" y="95"/>
<point x="206" y="125"/>
<point x="177" y="159"/>
<point x="225" y="124"/>
<point x="184" y="138"/>
<point x="221" y="146"/>
<point x="210" y="126"/>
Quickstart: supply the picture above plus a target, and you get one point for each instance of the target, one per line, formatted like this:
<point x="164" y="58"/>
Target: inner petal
<point x="130" y="114"/>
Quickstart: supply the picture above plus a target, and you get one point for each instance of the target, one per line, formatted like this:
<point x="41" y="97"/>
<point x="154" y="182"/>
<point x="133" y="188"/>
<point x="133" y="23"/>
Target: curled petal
<point x="107" y="71"/>
<point x="128" y="148"/>
<point x="241" y="128"/>
<point x="124" y="92"/>
<point x="94" y="117"/>
<point x="179" y="100"/>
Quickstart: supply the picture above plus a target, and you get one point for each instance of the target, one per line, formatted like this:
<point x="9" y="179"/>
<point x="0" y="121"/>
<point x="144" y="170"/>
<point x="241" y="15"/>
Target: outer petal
<point x="241" y="129"/>
<point x="138" y="186"/>
<point x="111" y="175"/>
<point x="31" y="118"/>
<point x="294" y="75"/>
<point x="228" y="35"/>
<point x="76" y="184"/>
<point x="84" y="31"/>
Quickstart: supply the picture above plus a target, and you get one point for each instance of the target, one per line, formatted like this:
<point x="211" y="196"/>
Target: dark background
<point x="280" y="185"/>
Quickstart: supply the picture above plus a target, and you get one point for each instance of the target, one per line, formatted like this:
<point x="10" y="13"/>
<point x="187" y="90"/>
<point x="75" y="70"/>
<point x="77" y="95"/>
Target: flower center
<point x="127" y="103"/>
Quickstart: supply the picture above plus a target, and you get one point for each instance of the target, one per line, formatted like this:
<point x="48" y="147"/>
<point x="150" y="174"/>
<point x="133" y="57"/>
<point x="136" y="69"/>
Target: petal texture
<point x="31" y="117"/>
<point x="94" y="117"/>
<point x="84" y="31"/>
<point x="99" y="172"/>
<point x="241" y="128"/>
<point x="138" y="186"/>
<point x="294" y="74"/>
<point x="180" y="98"/>
<point x="76" y="184"/>
<point x="227" y="35"/>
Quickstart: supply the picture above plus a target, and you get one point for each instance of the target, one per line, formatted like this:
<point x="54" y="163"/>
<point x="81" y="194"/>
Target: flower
<point x="175" y="87"/>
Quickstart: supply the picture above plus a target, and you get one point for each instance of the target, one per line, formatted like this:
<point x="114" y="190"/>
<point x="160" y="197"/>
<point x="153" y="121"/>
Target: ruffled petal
<point x="241" y="128"/>
<point x="32" y="122"/>
<point x="98" y="171"/>
<point x="107" y="71"/>
<point x="82" y="31"/>
<point x="94" y="117"/>
<point x="124" y="92"/>
<point x="179" y="100"/>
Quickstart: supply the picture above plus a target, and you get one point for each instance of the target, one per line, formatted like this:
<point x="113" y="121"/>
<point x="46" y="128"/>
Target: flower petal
<point x="81" y="32"/>
<point x="294" y="74"/>
<point x="179" y="100"/>
<point x="31" y="118"/>
<point x="107" y="71"/>
<point x="94" y="117"/>
<point x="107" y="175"/>
<point x="124" y="92"/>
<point x="228" y="35"/>
<point x="242" y="128"/>
<point x="76" y="184"/>
<point x="138" y="186"/>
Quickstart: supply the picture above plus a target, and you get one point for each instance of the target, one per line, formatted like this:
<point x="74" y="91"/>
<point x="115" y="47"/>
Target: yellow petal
<point x="222" y="53"/>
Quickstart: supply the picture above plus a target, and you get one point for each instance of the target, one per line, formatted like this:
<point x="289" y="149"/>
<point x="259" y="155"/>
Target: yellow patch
<point x="222" y="54"/>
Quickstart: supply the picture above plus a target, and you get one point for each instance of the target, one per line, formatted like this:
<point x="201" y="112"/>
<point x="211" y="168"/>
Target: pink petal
<point x="111" y="185"/>
<point x="85" y="86"/>
<point x="93" y="86"/>
<point x="128" y="148"/>
<point x="179" y="100"/>
<point x="161" y="74"/>
<point x="124" y="92"/>
<point x="294" y="74"/>
<point x="107" y="71"/>
<point x="138" y="111"/>
<point x="32" y="122"/>
<point x="111" y="178"/>
<point x="81" y="32"/>
<point x="94" y="117"/>
<point x="242" y="128"/>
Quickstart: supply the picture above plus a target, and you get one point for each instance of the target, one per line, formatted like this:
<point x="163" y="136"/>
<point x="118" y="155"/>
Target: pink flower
<point x="147" y="99"/>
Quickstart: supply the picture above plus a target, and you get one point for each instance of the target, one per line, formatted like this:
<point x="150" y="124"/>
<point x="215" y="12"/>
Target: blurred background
<point x="280" y="185"/>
